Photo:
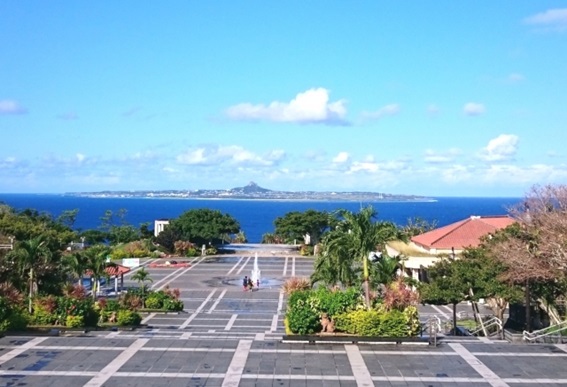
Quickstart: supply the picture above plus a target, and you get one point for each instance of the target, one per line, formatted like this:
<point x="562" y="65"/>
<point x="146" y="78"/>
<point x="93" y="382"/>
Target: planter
<point x="159" y="311"/>
<point x="333" y="338"/>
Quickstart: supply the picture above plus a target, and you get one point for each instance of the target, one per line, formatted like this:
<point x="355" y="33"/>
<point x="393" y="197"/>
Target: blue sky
<point x="436" y="98"/>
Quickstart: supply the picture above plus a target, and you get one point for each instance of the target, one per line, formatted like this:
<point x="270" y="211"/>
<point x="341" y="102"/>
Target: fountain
<point x="256" y="273"/>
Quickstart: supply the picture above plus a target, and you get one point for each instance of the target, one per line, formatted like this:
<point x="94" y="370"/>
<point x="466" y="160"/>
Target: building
<point x="425" y="249"/>
<point x="159" y="225"/>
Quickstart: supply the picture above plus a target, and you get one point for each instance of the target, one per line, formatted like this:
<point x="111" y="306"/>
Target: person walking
<point x="245" y="283"/>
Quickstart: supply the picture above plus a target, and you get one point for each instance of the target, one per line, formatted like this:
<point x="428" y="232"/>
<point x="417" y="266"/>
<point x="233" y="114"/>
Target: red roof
<point x="465" y="233"/>
<point x="112" y="271"/>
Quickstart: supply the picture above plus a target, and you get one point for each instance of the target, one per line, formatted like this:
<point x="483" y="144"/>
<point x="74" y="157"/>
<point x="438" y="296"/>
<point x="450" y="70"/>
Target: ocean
<point x="256" y="217"/>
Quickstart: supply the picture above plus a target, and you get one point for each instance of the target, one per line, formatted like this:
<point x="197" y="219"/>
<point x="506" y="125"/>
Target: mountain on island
<point x="254" y="191"/>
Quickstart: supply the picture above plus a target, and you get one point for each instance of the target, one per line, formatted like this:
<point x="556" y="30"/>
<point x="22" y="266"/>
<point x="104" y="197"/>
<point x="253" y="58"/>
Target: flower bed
<point x="343" y="313"/>
<point x="169" y="264"/>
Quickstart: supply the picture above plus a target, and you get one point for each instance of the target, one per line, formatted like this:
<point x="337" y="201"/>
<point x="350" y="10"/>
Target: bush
<point x="13" y="320"/>
<point x="295" y="283"/>
<point x="412" y="321"/>
<point x="303" y="313"/>
<point x="128" y="318"/>
<point x="306" y="250"/>
<point x="337" y="302"/>
<point x="164" y="299"/>
<point x="372" y="323"/>
<point x="154" y="302"/>
<point x="75" y="321"/>
<point x="173" y="305"/>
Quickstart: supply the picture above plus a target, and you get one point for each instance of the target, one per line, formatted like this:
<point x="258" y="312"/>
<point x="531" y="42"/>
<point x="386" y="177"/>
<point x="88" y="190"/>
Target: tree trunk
<point x="551" y="310"/>
<point x="455" y="319"/>
<point x="31" y="291"/>
<point x="476" y="312"/>
<point x="528" y="306"/>
<point x="366" y="283"/>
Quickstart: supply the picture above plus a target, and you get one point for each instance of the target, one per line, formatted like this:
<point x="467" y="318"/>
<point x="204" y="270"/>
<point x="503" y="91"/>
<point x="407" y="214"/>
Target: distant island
<point x="253" y="191"/>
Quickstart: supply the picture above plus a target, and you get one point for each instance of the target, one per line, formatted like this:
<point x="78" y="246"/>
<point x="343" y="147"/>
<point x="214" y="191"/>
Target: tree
<point x="295" y="225"/>
<point x="95" y="263"/>
<point x="68" y="217"/>
<point x="483" y="274"/>
<point x="445" y="286"/>
<point x="416" y="226"/>
<point x="30" y="255"/>
<point x="204" y="225"/>
<point x="141" y="276"/>
<point x="384" y="270"/>
<point x="535" y="250"/>
<point x="347" y="247"/>
<point x="168" y="237"/>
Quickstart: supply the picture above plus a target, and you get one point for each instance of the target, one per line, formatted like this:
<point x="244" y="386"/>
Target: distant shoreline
<point x="319" y="200"/>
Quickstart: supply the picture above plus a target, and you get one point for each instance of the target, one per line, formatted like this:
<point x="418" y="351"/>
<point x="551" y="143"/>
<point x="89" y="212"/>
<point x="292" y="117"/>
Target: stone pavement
<point x="228" y="337"/>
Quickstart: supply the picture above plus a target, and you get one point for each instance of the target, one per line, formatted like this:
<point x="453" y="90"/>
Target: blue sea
<point x="256" y="217"/>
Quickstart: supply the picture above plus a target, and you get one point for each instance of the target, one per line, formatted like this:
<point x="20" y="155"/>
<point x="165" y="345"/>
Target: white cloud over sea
<point x="311" y="106"/>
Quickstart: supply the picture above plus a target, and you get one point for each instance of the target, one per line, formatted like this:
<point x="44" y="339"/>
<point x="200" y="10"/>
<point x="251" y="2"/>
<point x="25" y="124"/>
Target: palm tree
<point x="29" y="256"/>
<point x="348" y="246"/>
<point x="142" y="276"/>
<point x="385" y="270"/>
<point x="96" y="263"/>
<point x="75" y="264"/>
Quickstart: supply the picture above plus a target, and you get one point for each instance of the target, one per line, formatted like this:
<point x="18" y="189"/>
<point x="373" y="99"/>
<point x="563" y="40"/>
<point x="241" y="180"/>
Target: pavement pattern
<point x="230" y="337"/>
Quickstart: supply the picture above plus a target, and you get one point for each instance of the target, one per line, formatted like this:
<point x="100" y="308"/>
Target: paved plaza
<point x="229" y="337"/>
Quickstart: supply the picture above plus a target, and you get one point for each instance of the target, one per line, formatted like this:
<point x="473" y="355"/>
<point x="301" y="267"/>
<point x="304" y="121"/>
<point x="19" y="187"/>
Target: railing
<point x="553" y="332"/>
<point x="432" y="326"/>
<point x="488" y="326"/>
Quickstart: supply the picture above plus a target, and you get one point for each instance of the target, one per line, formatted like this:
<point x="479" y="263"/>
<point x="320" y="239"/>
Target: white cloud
<point x="501" y="148"/>
<point x="233" y="154"/>
<point x="473" y="109"/>
<point x="552" y="19"/>
<point x="434" y="157"/>
<point x="311" y="106"/>
<point x="387" y="110"/>
<point x="11" y="107"/>
<point x="342" y="157"/>
<point x="80" y="157"/>
<point x="364" y="166"/>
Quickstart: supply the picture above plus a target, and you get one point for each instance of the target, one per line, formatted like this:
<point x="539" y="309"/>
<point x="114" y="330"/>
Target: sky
<point x="433" y="98"/>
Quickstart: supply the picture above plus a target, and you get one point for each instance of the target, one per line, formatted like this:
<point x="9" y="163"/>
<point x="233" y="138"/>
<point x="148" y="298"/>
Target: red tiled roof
<point x="112" y="271"/>
<point x="462" y="234"/>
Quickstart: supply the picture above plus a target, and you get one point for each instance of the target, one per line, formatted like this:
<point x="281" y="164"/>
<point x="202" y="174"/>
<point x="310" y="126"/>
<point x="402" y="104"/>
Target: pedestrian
<point x="250" y="285"/>
<point x="245" y="283"/>
<point x="258" y="283"/>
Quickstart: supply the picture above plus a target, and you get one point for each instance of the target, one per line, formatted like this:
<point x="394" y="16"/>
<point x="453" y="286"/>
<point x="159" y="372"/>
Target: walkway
<point x="228" y="337"/>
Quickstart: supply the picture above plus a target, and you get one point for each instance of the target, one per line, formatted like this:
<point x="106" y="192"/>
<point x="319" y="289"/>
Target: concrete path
<point x="228" y="337"/>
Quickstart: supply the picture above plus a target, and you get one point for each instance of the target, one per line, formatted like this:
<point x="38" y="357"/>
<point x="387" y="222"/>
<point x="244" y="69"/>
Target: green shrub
<point x="337" y="302"/>
<point x="153" y="302"/>
<point x="14" y="320"/>
<point x="192" y="252"/>
<point x="128" y="318"/>
<point x="211" y="251"/>
<point x="155" y="254"/>
<point x="303" y="312"/>
<point x="373" y="323"/>
<point x="173" y="305"/>
<point x="75" y="321"/>
<point x="412" y="320"/>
